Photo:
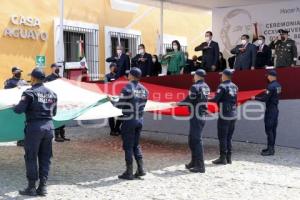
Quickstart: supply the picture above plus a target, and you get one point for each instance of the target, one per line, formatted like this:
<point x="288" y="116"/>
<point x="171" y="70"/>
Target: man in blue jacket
<point x="245" y="54"/>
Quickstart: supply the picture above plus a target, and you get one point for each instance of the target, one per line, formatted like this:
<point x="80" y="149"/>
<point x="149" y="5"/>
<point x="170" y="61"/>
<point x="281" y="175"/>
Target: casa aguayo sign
<point x="22" y="27"/>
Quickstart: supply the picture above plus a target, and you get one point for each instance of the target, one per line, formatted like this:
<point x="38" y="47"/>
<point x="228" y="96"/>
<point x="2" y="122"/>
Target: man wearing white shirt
<point x="264" y="53"/>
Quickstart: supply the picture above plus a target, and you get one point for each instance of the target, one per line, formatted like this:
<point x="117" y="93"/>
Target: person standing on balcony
<point x="175" y="59"/>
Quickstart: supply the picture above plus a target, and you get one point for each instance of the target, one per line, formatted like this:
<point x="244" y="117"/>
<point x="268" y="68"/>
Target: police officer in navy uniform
<point x="39" y="105"/>
<point x="16" y="81"/>
<point x="271" y="98"/>
<point x="112" y="75"/>
<point x="60" y="135"/>
<point x="55" y="70"/>
<point x="197" y="102"/>
<point x="226" y="98"/>
<point x="114" y="124"/>
<point x="132" y="102"/>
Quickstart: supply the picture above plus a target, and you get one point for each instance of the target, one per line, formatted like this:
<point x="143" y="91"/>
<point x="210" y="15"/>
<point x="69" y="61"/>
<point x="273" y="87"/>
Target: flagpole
<point x="161" y="34"/>
<point x="61" y="31"/>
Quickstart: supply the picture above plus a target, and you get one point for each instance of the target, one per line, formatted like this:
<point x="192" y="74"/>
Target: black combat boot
<point x="128" y="174"/>
<point x="20" y="143"/>
<point x="228" y="158"/>
<point x="42" y="189"/>
<point x="30" y="190"/>
<point x="221" y="160"/>
<point x="140" y="168"/>
<point x="191" y="164"/>
<point x="114" y="133"/>
<point x="62" y="133"/>
<point x="199" y="167"/>
<point x="265" y="150"/>
<point x="270" y="152"/>
<point x="57" y="138"/>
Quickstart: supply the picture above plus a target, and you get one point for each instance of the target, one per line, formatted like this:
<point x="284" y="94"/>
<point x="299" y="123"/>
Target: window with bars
<point x="129" y="42"/>
<point x="82" y="42"/>
<point x="168" y="47"/>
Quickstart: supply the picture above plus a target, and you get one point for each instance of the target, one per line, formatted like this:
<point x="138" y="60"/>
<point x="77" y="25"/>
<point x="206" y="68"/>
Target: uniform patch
<point x="278" y="90"/>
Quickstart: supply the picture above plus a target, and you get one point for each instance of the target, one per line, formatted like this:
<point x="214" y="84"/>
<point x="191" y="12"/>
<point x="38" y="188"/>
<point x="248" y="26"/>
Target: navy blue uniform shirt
<point x="52" y="77"/>
<point x="198" y="94"/>
<point x="38" y="103"/>
<point x="226" y="98"/>
<point x="272" y="95"/>
<point x="110" y="77"/>
<point x="133" y="100"/>
<point x="14" y="82"/>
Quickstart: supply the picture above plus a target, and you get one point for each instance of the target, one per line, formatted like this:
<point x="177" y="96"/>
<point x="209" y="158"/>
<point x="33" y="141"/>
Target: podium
<point x="77" y="71"/>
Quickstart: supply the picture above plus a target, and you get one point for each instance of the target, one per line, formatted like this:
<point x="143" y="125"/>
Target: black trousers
<point x="195" y="138"/>
<point x="60" y="132"/>
<point x="131" y="132"/>
<point x="38" y="150"/>
<point x="114" y="124"/>
<point x="225" y="133"/>
<point x="271" y="123"/>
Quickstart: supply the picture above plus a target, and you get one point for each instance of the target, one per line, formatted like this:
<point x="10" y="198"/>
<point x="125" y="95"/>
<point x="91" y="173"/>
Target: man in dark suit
<point x="264" y="53"/>
<point x="245" y="54"/>
<point x="143" y="61"/>
<point x="122" y="61"/>
<point x="210" y="53"/>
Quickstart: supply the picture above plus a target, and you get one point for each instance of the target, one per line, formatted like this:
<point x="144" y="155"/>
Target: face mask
<point x="243" y="42"/>
<point x="259" y="42"/>
<point x="207" y="39"/>
<point x="153" y="60"/>
<point x="141" y="51"/>
<point x="119" y="51"/>
<point x="175" y="47"/>
<point x="18" y="75"/>
<point x="56" y="71"/>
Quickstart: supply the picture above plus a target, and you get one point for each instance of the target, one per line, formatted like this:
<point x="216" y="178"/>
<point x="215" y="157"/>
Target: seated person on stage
<point x="221" y="65"/>
<point x="195" y="64"/>
<point x="188" y="64"/>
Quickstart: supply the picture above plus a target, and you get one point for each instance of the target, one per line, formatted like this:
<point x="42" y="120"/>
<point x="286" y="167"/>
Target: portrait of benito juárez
<point x="236" y="23"/>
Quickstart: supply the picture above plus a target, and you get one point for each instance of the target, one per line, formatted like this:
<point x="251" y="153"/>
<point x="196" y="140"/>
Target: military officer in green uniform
<point x="285" y="50"/>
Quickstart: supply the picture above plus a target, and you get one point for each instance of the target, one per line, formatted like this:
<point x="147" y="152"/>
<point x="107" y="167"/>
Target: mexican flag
<point x="88" y="101"/>
<point x="73" y="101"/>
